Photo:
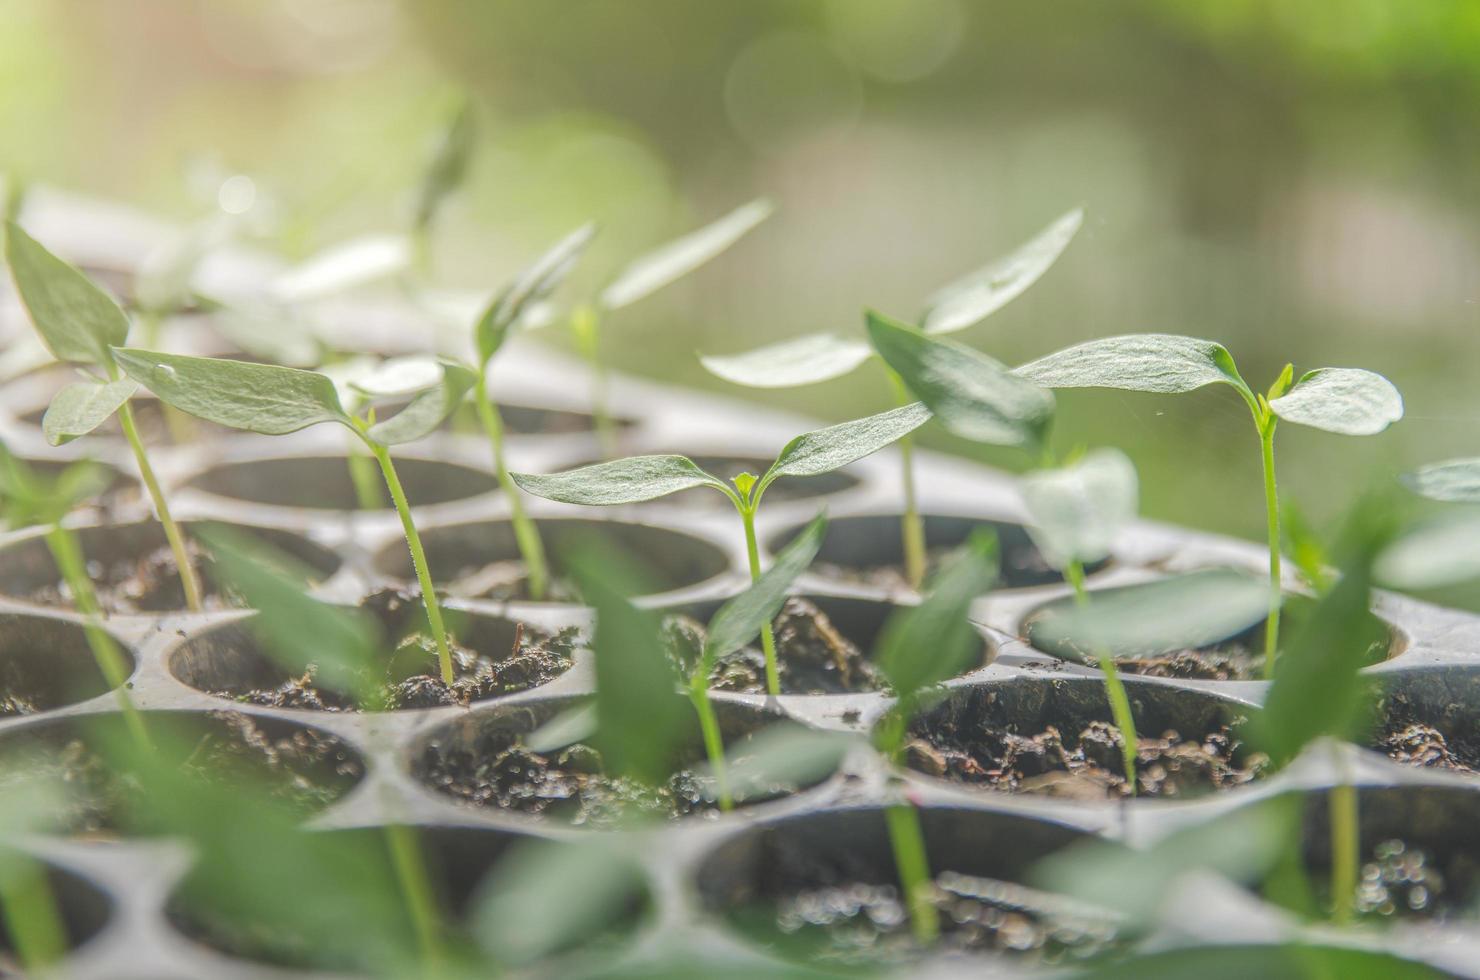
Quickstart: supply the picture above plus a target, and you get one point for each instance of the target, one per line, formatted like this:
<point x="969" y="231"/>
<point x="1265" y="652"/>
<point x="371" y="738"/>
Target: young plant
<point x="274" y="400"/>
<point x="80" y="324"/>
<point x="641" y="478"/>
<point x="641" y="278"/>
<point x="816" y="358"/>
<point x="445" y="173"/>
<point x="1349" y="401"/>
<point x="919" y="648"/>
<point x="1075" y="511"/>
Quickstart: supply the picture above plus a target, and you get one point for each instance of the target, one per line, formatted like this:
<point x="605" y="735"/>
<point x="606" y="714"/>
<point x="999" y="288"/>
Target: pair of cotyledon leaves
<point x="967" y="301"/>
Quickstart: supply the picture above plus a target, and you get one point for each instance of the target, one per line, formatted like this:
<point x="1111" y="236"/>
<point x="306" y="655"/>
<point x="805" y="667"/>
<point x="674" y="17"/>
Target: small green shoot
<point x="29" y="913"/>
<point x="1348" y="401"/>
<point x="641" y="278"/>
<point x="642" y="478"/>
<point x="80" y="324"/>
<point x="446" y="171"/>
<point x="816" y="358"/>
<point x="274" y="400"/>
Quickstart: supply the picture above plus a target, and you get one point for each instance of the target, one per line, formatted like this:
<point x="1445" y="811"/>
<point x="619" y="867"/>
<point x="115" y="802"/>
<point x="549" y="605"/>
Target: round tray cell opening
<point x="47" y="663"/>
<point x="325" y="482"/>
<point x="1427" y="718"/>
<point x="82" y="908"/>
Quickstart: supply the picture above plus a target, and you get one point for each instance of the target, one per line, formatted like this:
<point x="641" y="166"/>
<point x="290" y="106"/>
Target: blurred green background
<point x="1296" y="179"/>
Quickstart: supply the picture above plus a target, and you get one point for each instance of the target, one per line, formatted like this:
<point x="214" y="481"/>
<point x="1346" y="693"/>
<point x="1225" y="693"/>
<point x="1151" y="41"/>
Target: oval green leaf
<point x="623" y="481"/>
<point x="1454" y="480"/>
<point x="427" y="410"/>
<point x="678" y="258"/>
<point x="449" y="165"/>
<point x="1076" y="511"/>
<point x="1432" y="555"/>
<point x="973" y="395"/>
<point x="76" y="319"/>
<point x="79" y="408"/>
<point x="1137" y="362"/>
<point x="261" y="398"/>
<point x="1348" y="401"/>
<point x="825" y="450"/>
<point x="974" y="297"/>
<point x="791" y="363"/>
<point x="525" y="294"/>
<point x="739" y="620"/>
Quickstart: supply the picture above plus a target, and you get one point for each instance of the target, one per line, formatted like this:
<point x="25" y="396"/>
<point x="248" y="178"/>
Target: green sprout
<point x="29" y="912"/>
<point x="446" y="171"/>
<point x="81" y="325"/>
<point x="816" y="358"/>
<point x="1349" y="401"/>
<point x="641" y="478"/>
<point x="1075" y="511"/>
<point x="273" y="400"/>
<point x="641" y="278"/>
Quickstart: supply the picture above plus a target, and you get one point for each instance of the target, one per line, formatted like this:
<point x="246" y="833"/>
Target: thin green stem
<point x="1115" y="693"/>
<point x="416" y="888"/>
<point x="1272" y="514"/>
<point x="188" y="580"/>
<point x="768" y="636"/>
<point x="418" y="560"/>
<point x="29" y="912"/>
<point x="1346" y="855"/>
<point x="714" y="743"/>
<point x="526" y="534"/>
<point x="362" y="477"/>
<point x="913" y="867"/>
<point x="587" y="326"/>
<point x="912" y="527"/>
<point x="67" y="554"/>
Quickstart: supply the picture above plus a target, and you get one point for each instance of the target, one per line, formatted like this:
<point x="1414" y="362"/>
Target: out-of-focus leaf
<point x="785" y="754"/>
<point x="428" y="409"/>
<point x="343" y="267"/>
<point x="739" y="620"/>
<point x="162" y="284"/>
<point x="803" y="361"/>
<point x="825" y="450"/>
<point x="1137" y="362"/>
<point x="1076" y="511"/>
<point x="449" y="165"/>
<point x="1296" y="961"/>
<point x="264" y="398"/>
<point x="622" y="481"/>
<point x="1348" y="401"/>
<point x="1454" y="481"/>
<point x="79" y="408"/>
<point x="398" y="376"/>
<point x="270" y="334"/>
<point x="1436" y="553"/>
<point x="77" y="320"/>
<point x="976" y="296"/>
<point x="523" y="296"/>
<point x="573" y="725"/>
<point x="681" y="256"/>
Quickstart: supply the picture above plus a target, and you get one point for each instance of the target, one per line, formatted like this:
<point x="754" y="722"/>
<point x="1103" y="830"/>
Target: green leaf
<point x="739" y="620"/>
<point x="1137" y="362"/>
<point x="803" y="361"/>
<point x="162" y="284"/>
<point x="1076" y="511"/>
<point x="271" y="335"/>
<point x="784" y="754"/>
<point x="622" y="481"/>
<point x="825" y="450"/>
<point x="1453" y="481"/>
<point x="449" y="165"/>
<point x="397" y="377"/>
<point x="678" y="258"/>
<point x="974" y="297"/>
<point x="79" y="408"/>
<point x="259" y="397"/>
<point x="533" y="286"/>
<point x="78" y="321"/>
<point x="292" y="627"/>
<point x="1348" y="401"/>
<point x="1153" y="618"/>
<point x="340" y="268"/>
<point x="570" y="726"/>
<point x="974" y="396"/>
<point x="1436" y="553"/>
<point x="427" y="410"/>
<point x="935" y="640"/>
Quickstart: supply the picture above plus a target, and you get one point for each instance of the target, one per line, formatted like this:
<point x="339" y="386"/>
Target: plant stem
<point x="912" y="527"/>
<point x="416" y="889"/>
<point x="714" y="743"/>
<point x="28" y="910"/>
<point x="526" y="534"/>
<point x="67" y="554"/>
<point x="768" y="636"/>
<point x="188" y="581"/>
<point x="418" y="560"/>
<point x="1120" y="702"/>
<point x="1272" y="513"/>
<point x="586" y="323"/>
<point x="913" y="867"/>
<point x="362" y="476"/>
<point x="1346" y="856"/>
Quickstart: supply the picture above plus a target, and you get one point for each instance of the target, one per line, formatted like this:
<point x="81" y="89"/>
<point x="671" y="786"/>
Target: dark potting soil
<point x="505" y="581"/>
<point x="144" y="584"/>
<point x="1020" y="566"/>
<point x="412" y="675"/>
<point x="1086" y="766"/>
<point x="304" y="769"/>
<point x="812" y="657"/>
<point x="1417" y="744"/>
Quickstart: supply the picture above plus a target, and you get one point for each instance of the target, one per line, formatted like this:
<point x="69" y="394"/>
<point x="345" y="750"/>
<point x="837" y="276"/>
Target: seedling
<point x="445" y="173"/>
<point x="80" y="324"/>
<point x="641" y="278"/>
<point x="274" y="400"/>
<point x="816" y="358"/>
<point x="641" y="478"/>
<point x="1076" y="510"/>
<point x="1349" y="401"/>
